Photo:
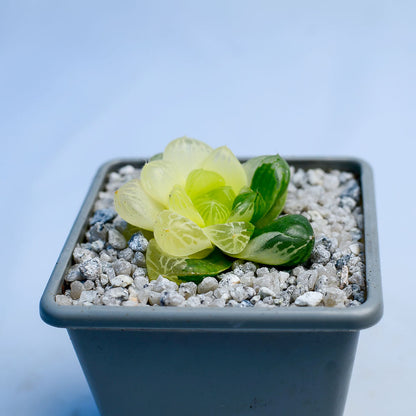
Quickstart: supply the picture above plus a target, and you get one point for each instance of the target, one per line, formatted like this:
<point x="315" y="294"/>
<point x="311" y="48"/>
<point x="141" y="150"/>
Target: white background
<point x="87" y="81"/>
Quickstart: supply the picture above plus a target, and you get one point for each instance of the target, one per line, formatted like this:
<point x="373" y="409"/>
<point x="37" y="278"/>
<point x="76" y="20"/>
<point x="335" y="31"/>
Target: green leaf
<point x="160" y="263"/>
<point x="266" y="184"/>
<point x="243" y="206"/>
<point x="211" y="265"/>
<point x="231" y="238"/>
<point x="270" y="177"/>
<point x="287" y="241"/>
<point x="157" y="156"/>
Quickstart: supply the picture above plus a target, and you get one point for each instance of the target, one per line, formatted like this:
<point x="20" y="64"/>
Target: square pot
<point x="218" y="361"/>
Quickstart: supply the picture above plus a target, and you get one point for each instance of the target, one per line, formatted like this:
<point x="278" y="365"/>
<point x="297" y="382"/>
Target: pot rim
<point x="224" y="319"/>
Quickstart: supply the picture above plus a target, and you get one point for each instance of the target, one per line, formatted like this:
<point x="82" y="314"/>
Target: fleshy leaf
<point x="266" y="184"/>
<point x="200" y="181"/>
<point x="243" y="206"/>
<point x="232" y="237"/>
<point x="215" y="206"/>
<point x="158" y="178"/>
<point x="161" y="263"/>
<point x="135" y="206"/>
<point x="270" y="180"/>
<point x="287" y="241"/>
<point x="282" y="172"/>
<point x="186" y="154"/>
<point x="223" y="161"/>
<point x="157" y="156"/>
<point x="251" y="165"/>
<point x="179" y="236"/>
<point x="180" y="202"/>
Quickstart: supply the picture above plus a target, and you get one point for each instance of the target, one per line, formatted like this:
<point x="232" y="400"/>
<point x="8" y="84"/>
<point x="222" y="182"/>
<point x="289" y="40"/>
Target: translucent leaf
<point x="251" y="165"/>
<point x="200" y="181"/>
<point x="180" y="202"/>
<point x="232" y="237"/>
<point x="223" y="161"/>
<point x="160" y="263"/>
<point x="186" y="154"/>
<point x="186" y="269"/>
<point x="157" y="156"/>
<point x="135" y="206"/>
<point x="179" y="236"/>
<point x="243" y="206"/>
<point x="215" y="206"/>
<point x="158" y="178"/>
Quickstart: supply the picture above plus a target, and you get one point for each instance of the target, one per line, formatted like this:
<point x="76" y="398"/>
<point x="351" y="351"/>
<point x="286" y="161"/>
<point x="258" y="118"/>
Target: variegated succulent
<point x="205" y="208"/>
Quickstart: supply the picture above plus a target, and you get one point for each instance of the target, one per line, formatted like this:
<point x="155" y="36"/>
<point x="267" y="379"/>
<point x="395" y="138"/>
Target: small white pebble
<point x="63" y="300"/>
<point x="265" y="292"/>
<point x="309" y="299"/>
<point x="208" y="284"/>
<point x="121" y="280"/>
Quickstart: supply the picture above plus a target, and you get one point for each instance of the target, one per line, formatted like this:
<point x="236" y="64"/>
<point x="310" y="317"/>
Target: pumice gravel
<point x="110" y="270"/>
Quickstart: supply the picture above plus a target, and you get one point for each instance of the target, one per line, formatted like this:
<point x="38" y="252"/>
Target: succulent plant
<point x="204" y="208"/>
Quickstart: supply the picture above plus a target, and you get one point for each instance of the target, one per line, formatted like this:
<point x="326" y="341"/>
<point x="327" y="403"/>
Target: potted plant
<point x="196" y="212"/>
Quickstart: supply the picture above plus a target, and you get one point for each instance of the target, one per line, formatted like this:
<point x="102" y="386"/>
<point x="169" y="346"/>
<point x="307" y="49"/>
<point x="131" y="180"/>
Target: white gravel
<point x="109" y="270"/>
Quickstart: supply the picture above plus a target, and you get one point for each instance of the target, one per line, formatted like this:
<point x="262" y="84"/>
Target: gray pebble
<point x="241" y="293"/>
<point x="154" y="297"/>
<point x="76" y="288"/>
<point x="91" y="269"/>
<point x="139" y="259"/>
<point x="141" y="281"/>
<point x="266" y="292"/>
<point x="97" y="245"/>
<point x="122" y="266"/>
<point x="172" y="299"/>
<point x="73" y="273"/>
<point x="116" y="239"/>
<point x="320" y="254"/>
<point x="309" y="299"/>
<point x="97" y="232"/>
<point x="80" y="255"/>
<point x="193" y="302"/>
<point x="232" y="303"/>
<point x="117" y="293"/>
<point x="139" y="271"/>
<point x="208" y="284"/>
<point x="120" y="224"/>
<point x="219" y="303"/>
<point x="188" y="289"/>
<point x="246" y="304"/>
<point x="121" y="280"/>
<point x="88" y="285"/>
<point x="138" y="242"/>
<point x="162" y="284"/>
<point x="105" y="257"/>
<point x="223" y="292"/>
<point x="88" y="296"/>
<point x="63" y="300"/>
<point x="126" y="254"/>
<point x="334" y="297"/>
<point x="102" y="216"/>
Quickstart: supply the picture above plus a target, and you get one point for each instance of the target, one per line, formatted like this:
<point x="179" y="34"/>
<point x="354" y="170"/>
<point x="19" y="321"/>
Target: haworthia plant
<point x="204" y="208"/>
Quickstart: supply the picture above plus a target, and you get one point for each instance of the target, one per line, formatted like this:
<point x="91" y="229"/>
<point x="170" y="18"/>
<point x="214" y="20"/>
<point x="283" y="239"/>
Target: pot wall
<point x="208" y="373"/>
<point x="227" y="361"/>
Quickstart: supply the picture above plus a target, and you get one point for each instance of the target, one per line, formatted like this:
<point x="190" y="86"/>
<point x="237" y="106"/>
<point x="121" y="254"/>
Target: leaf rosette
<point x="204" y="206"/>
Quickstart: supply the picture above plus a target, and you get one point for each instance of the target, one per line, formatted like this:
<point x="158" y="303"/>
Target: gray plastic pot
<point x="218" y="361"/>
